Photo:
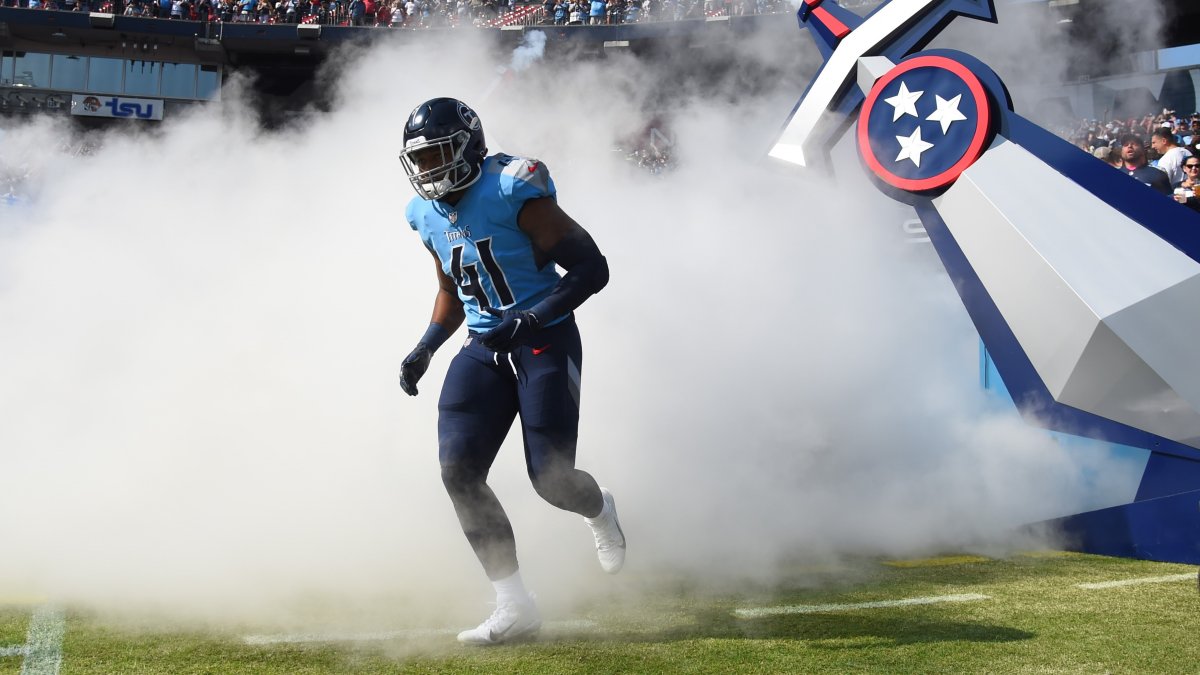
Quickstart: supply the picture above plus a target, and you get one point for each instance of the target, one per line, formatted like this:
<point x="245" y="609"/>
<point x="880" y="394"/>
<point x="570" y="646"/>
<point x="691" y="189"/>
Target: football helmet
<point x="443" y="147"/>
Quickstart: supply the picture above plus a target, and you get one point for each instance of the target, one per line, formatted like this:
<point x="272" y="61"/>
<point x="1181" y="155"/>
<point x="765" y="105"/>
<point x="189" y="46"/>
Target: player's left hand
<point x="515" y="329"/>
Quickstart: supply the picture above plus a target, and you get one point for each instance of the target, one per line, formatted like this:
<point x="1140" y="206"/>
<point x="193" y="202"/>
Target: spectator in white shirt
<point x="1172" y="156"/>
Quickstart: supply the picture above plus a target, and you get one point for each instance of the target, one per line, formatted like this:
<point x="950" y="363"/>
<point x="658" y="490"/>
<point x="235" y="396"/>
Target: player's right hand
<point x="413" y="367"/>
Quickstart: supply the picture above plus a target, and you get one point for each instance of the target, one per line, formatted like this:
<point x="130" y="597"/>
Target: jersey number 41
<point x="467" y="276"/>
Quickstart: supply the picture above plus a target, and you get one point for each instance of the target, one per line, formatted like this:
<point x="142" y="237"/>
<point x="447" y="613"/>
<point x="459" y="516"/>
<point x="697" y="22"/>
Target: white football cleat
<point x="610" y="540"/>
<point x="511" y="622"/>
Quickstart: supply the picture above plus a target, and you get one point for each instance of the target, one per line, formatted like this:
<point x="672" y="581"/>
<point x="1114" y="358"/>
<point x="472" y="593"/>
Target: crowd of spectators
<point x="414" y="13"/>
<point x="592" y="12"/>
<point x="1162" y="151"/>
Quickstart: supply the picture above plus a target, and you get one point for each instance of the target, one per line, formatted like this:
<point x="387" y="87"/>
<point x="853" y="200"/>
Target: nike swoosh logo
<point x="493" y="636"/>
<point x="539" y="350"/>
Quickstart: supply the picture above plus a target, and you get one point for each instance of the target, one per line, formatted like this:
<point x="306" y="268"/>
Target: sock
<point x="511" y="589"/>
<point x="604" y="513"/>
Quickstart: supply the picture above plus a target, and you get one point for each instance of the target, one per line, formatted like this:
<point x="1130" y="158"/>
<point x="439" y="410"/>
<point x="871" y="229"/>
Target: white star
<point x="947" y="112"/>
<point x="911" y="147"/>
<point x="905" y="102"/>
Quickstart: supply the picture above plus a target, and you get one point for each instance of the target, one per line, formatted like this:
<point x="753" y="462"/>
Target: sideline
<point x="43" y="646"/>
<point x="759" y="612"/>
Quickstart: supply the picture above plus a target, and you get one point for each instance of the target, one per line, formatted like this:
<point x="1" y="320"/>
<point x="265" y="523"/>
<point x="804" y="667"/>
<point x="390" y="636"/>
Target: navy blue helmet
<point x="443" y="147"/>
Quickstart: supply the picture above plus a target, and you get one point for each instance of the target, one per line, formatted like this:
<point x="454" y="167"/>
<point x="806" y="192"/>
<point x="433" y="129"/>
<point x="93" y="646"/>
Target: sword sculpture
<point x="1083" y="283"/>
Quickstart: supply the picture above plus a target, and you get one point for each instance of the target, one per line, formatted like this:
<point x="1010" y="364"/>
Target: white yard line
<point x="18" y="650"/>
<point x="43" y="655"/>
<point x="758" y="612"/>
<point x="377" y="636"/>
<point x="1135" y="582"/>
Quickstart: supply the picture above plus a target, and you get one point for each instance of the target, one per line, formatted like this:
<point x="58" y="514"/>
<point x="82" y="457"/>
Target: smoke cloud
<point x="530" y="51"/>
<point x="202" y="329"/>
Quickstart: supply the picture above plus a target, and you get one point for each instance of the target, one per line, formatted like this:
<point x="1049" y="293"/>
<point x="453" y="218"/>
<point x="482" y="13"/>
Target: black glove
<point x="515" y="329"/>
<point x="413" y="367"/>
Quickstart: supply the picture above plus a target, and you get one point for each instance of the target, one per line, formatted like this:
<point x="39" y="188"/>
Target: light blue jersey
<point x="479" y="244"/>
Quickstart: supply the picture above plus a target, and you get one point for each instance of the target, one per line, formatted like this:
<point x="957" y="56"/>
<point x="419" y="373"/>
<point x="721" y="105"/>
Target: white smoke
<point x="199" y="357"/>
<point x="529" y="52"/>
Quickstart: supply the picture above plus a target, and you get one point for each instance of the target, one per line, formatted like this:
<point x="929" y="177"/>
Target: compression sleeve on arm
<point x="587" y="273"/>
<point x="434" y="336"/>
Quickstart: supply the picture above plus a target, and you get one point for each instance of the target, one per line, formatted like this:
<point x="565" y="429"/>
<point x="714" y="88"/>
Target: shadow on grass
<point x="826" y="629"/>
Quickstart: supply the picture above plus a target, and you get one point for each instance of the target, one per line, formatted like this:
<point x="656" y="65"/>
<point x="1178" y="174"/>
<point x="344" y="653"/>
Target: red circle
<point x="974" y="150"/>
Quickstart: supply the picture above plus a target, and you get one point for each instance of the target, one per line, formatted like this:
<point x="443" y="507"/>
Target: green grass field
<point x="1023" y="614"/>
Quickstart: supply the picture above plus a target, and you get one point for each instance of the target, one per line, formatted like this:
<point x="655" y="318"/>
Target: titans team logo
<point x="468" y="116"/>
<point x="924" y="122"/>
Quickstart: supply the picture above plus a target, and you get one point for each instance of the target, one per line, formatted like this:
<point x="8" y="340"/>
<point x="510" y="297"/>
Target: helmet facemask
<point x="441" y="168"/>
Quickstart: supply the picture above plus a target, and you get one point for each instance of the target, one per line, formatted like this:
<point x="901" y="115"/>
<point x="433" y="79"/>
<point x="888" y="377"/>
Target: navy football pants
<point x="483" y="393"/>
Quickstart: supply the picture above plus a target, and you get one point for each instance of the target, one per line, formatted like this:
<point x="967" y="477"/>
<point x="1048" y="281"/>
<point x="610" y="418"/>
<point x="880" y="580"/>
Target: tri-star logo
<point x="924" y="122"/>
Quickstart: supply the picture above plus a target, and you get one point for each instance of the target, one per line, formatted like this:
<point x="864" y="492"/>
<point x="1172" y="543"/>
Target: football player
<point x="496" y="234"/>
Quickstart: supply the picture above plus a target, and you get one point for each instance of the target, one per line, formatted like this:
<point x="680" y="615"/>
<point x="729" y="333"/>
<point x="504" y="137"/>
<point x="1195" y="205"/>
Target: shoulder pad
<point x="529" y="171"/>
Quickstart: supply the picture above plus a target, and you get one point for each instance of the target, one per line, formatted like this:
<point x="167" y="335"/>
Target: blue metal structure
<point x="1159" y="520"/>
<point x="1083" y="284"/>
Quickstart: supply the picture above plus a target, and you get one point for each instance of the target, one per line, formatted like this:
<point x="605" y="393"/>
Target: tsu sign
<point x="91" y="105"/>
